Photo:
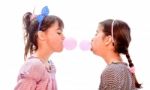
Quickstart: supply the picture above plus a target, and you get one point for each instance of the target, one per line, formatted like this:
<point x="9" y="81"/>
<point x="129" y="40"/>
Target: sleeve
<point x="111" y="80"/>
<point x="30" y="74"/>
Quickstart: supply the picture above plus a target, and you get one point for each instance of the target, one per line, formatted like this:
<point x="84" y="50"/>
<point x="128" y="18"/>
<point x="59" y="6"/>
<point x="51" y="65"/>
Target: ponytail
<point x="29" y="34"/>
<point x="137" y="85"/>
<point x="27" y="20"/>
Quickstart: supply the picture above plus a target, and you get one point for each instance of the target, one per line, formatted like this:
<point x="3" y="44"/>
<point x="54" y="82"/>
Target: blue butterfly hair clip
<point x="44" y="12"/>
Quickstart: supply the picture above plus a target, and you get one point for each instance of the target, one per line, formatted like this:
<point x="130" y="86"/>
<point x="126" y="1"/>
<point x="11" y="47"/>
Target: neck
<point x="43" y="54"/>
<point x="112" y="57"/>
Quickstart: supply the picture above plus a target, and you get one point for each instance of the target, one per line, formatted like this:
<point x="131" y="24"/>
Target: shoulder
<point x="114" y="71"/>
<point x="33" y="63"/>
<point x="116" y="67"/>
<point x="33" y="68"/>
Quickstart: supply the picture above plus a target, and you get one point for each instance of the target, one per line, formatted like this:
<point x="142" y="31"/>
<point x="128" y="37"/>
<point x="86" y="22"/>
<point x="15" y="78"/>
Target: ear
<point x="41" y="35"/>
<point x="108" y="40"/>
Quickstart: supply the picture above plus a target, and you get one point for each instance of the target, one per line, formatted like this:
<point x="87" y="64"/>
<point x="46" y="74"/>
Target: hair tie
<point x="132" y="69"/>
<point x="32" y="17"/>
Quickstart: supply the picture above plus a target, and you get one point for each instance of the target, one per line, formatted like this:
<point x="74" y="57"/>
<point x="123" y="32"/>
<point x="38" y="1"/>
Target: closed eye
<point x="59" y="33"/>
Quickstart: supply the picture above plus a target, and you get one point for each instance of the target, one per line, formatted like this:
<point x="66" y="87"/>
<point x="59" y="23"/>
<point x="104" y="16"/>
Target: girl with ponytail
<point x="43" y="36"/>
<point x="111" y="40"/>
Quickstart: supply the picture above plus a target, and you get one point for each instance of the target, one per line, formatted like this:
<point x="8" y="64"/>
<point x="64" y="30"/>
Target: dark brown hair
<point x="122" y="39"/>
<point x="31" y="29"/>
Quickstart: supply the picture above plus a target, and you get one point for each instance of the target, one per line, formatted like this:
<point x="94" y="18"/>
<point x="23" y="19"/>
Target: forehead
<point x="100" y="28"/>
<point x="60" y="25"/>
<point x="56" y="26"/>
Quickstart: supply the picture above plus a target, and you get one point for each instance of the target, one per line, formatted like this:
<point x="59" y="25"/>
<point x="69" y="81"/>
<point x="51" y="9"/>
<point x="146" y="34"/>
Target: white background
<point x="76" y="69"/>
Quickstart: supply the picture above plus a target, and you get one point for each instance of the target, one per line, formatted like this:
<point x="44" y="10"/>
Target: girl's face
<point x="98" y="42"/>
<point x="55" y="38"/>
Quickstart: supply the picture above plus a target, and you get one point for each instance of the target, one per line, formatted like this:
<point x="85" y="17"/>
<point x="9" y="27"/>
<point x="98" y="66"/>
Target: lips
<point x="92" y="46"/>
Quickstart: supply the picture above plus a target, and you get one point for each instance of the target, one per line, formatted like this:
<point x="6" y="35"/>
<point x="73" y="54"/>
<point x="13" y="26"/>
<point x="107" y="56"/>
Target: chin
<point x="94" y="52"/>
<point x="59" y="50"/>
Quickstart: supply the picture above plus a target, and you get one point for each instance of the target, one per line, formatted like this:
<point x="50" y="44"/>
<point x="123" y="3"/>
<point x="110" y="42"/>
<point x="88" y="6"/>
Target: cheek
<point x="97" y="45"/>
<point x="55" y="42"/>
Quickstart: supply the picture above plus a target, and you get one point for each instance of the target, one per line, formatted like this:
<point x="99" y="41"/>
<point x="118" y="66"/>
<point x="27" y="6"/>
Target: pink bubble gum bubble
<point x="70" y="43"/>
<point x="85" y="45"/>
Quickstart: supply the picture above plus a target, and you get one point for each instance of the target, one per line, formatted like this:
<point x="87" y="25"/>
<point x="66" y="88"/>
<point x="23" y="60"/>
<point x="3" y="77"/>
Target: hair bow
<point x="44" y="12"/>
